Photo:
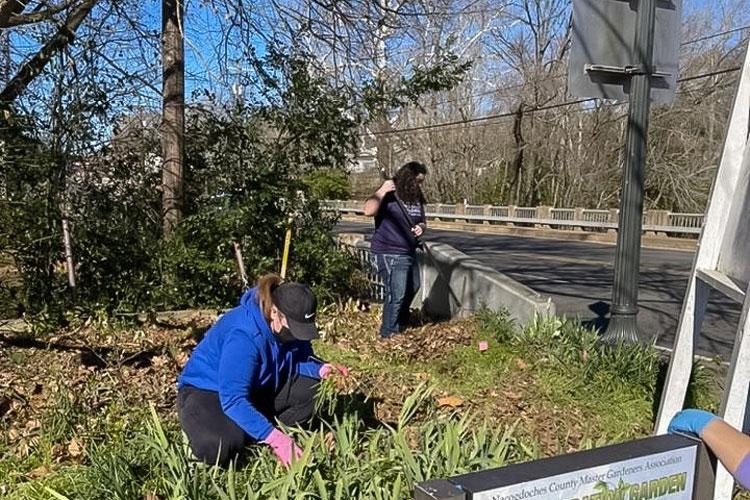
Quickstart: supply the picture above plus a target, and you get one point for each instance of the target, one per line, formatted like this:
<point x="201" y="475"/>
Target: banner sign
<point x="664" y="475"/>
<point x="662" y="467"/>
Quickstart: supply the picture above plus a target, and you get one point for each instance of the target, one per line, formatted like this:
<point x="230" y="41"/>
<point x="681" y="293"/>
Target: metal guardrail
<point x="654" y="221"/>
<point x="361" y="252"/>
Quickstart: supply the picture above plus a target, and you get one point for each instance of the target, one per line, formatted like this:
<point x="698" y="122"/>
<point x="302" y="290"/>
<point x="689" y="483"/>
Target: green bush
<point x="244" y="173"/>
<point x="328" y="184"/>
<point x="249" y="167"/>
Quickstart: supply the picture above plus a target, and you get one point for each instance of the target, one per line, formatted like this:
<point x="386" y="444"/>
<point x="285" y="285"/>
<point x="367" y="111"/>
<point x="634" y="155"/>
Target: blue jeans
<point x="400" y="275"/>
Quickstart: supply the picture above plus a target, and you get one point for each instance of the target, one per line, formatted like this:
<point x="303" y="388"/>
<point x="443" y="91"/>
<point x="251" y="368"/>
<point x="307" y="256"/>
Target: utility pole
<point x="623" y="326"/>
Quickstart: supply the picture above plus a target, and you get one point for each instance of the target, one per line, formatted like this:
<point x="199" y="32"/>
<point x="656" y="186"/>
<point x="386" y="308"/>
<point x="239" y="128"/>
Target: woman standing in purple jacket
<point x="394" y="243"/>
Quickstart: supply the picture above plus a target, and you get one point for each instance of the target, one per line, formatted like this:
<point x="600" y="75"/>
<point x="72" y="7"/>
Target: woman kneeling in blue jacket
<point x="256" y="364"/>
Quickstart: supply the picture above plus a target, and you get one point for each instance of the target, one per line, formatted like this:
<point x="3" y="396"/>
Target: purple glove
<point x="691" y="422"/>
<point x="326" y="370"/>
<point x="283" y="447"/>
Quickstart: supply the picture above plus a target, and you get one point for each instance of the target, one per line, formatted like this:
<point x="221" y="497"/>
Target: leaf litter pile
<point x="431" y="349"/>
<point x="70" y="387"/>
<point x="68" y="383"/>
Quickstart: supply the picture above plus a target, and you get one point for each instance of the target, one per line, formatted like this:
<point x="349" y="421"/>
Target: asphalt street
<point x="578" y="277"/>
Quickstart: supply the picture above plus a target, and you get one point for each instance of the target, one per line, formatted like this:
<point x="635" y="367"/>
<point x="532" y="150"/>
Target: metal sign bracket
<point x="630" y="70"/>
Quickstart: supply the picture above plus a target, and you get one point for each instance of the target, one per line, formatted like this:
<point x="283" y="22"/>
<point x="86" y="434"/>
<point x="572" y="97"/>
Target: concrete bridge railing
<point x="662" y="222"/>
<point x="454" y="284"/>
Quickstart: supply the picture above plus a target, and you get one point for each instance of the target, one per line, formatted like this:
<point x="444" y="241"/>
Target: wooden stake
<point x="69" y="255"/>
<point x="240" y="264"/>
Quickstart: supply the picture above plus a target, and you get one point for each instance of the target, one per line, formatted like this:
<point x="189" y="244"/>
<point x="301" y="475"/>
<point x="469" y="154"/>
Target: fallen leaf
<point x="39" y="472"/>
<point x="452" y="401"/>
<point x="182" y="358"/>
<point x="329" y="441"/>
<point x="75" y="449"/>
<point x="511" y="395"/>
<point x="159" y="361"/>
<point x="521" y="364"/>
<point x="33" y="425"/>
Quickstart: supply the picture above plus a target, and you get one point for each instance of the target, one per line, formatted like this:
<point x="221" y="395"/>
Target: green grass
<point x="554" y="366"/>
<point x="343" y="458"/>
<point x="541" y="389"/>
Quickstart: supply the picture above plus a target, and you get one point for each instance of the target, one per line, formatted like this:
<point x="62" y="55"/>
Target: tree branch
<point x="33" y="67"/>
<point x="18" y="19"/>
<point x="10" y="8"/>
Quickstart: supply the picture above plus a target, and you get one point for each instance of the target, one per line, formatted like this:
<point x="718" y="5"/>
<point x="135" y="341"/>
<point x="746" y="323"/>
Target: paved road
<point x="578" y="277"/>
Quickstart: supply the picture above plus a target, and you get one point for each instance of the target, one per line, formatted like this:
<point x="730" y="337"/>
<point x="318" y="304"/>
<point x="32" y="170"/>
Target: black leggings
<point x="215" y="438"/>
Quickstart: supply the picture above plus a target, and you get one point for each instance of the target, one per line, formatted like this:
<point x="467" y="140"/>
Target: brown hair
<point x="407" y="187"/>
<point x="266" y="285"/>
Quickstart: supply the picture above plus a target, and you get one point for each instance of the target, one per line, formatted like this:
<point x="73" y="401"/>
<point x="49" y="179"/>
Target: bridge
<point x="578" y="277"/>
<point x="658" y="222"/>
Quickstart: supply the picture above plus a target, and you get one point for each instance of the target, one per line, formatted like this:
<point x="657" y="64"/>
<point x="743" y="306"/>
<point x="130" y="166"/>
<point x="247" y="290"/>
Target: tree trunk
<point x="173" y="108"/>
<point x="517" y="165"/>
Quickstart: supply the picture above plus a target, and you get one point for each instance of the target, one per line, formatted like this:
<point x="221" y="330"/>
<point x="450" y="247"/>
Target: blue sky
<point x="201" y="65"/>
<point x="202" y="42"/>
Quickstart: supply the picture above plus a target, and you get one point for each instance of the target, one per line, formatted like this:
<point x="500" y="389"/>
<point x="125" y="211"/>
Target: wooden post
<point x="69" y="263"/>
<point x="240" y="264"/>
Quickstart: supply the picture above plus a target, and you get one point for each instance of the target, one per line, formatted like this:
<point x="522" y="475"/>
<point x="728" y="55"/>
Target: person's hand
<point x="327" y="369"/>
<point x="387" y="187"/>
<point x="283" y="447"/>
<point x="691" y="422"/>
<point x="418" y="230"/>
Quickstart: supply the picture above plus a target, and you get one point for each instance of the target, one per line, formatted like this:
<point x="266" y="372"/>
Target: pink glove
<point x="328" y="368"/>
<point x="283" y="447"/>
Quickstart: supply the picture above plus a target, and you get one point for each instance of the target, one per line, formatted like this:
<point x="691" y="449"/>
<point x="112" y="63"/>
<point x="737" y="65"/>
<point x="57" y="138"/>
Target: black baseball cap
<point x="297" y="302"/>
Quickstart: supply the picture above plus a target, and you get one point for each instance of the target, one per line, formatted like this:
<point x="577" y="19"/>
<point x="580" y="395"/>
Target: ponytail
<point x="266" y="285"/>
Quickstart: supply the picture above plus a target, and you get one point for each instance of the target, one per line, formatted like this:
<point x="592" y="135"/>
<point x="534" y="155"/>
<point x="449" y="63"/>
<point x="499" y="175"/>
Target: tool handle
<point x="409" y="220"/>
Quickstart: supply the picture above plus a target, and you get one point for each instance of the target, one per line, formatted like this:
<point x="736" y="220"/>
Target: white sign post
<point x="722" y="264"/>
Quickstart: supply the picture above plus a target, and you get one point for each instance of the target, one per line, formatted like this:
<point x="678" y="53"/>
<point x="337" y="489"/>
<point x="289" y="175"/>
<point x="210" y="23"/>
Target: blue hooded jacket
<point x="240" y="357"/>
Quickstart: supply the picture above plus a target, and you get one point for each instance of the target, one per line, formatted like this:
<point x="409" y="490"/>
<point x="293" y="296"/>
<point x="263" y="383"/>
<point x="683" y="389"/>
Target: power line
<point x="482" y="118"/>
<point x="715" y="35"/>
<point x="683" y="44"/>
<point x="556" y="77"/>
<point x="710" y="74"/>
<point x="537" y="109"/>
